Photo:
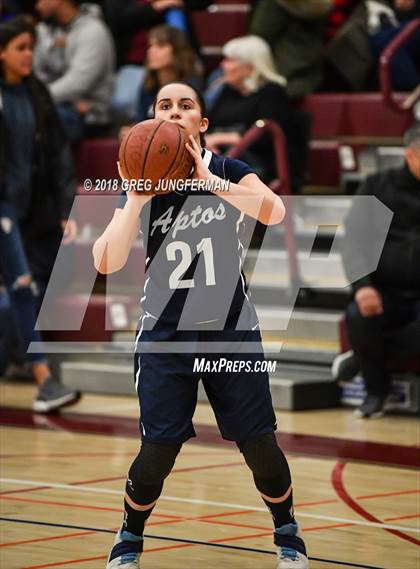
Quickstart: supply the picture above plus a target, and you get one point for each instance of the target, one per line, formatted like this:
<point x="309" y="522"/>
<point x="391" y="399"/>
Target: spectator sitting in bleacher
<point x="130" y="22"/>
<point x="405" y="65"/>
<point x="251" y="89"/>
<point x="294" y="29"/>
<point x="170" y="57"/>
<point x="338" y="16"/>
<point x="74" y="56"/>
<point x="383" y="321"/>
<point x="353" y="54"/>
<point x="36" y="194"/>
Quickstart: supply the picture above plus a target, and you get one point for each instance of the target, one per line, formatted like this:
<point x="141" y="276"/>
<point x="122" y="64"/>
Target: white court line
<point x="206" y="503"/>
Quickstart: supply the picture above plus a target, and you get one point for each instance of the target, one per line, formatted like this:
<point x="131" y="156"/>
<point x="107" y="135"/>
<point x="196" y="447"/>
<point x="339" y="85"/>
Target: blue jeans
<point x="72" y="122"/>
<point x="405" y="74"/>
<point x="13" y="265"/>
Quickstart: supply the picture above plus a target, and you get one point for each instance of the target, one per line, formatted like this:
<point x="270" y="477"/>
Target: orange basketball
<point x="155" y="150"/>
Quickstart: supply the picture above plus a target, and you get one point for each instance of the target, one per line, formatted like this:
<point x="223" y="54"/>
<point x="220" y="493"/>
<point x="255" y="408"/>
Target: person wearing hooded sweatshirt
<point x="75" y="57"/>
<point x="37" y="184"/>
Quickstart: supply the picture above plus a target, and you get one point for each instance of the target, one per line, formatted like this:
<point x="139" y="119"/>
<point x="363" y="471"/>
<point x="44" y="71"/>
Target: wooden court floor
<point x="357" y="491"/>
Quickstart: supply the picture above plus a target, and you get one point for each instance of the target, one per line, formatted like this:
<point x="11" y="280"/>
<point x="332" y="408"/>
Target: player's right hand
<point x="369" y="301"/>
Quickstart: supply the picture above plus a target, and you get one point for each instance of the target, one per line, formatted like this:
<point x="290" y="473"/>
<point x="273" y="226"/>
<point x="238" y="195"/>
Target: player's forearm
<point x="111" y="250"/>
<point x="260" y="203"/>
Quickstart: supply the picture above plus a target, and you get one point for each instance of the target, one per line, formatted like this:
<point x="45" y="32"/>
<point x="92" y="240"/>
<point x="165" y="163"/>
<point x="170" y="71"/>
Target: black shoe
<point x="344" y="367"/>
<point x="372" y="407"/>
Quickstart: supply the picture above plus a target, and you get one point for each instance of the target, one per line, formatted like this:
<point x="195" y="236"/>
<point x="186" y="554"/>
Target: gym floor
<point x="356" y="487"/>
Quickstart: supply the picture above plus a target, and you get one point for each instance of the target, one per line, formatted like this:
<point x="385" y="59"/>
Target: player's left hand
<point x="201" y="171"/>
<point x="69" y="227"/>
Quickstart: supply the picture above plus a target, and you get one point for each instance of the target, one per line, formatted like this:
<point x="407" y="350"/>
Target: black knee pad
<point x="264" y="457"/>
<point x="154" y="463"/>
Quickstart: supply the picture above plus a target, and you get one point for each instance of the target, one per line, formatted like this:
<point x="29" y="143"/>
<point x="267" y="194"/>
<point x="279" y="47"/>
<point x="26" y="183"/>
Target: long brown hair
<point x="185" y="62"/>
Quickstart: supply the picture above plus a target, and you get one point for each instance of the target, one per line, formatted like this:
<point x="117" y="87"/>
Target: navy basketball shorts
<point x="167" y="383"/>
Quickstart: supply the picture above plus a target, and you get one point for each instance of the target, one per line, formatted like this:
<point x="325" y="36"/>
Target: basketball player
<point x="193" y="258"/>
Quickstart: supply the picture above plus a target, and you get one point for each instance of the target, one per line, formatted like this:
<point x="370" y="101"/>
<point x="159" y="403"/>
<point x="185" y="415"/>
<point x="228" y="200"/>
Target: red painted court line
<point x="22" y="490"/>
<point x="332" y="526"/>
<point x="71" y="562"/>
<point x="234" y="524"/>
<point x="96" y="480"/>
<point x="226" y="514"/>
<point x="388" y="494"/>
<point x="49" y="538"/>
<point x="61" y="504"/>
<point x="48" y="456"/>
<point x="208" y="467"/>
<point x="114" y="478"/>
<point x="202" y="518"/>
<point x="317" y="528"/>
<point x="169" y="547"/>
<point x="165" y="548"/>
<point x="307" y="445"/>
<point x="338" y="485"/>
<point x="82" y="506"/>
<point x="239" y="537"/>
<point x="407" y="517"/>
<point x="318" y="503"/>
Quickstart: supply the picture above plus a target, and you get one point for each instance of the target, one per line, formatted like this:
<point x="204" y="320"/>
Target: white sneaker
<point x="126" y="551"/>
<point x="287" y="556"/>
<point x="290" y="559"/>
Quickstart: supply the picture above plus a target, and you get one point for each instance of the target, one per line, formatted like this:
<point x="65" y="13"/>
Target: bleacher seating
<point x="358" y="115"/>
<point x="343" y="125"/>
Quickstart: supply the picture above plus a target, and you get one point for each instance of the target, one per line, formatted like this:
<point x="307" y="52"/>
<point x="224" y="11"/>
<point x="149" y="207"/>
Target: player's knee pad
<point x="154" y="463"/>
<point x="264" y="457"/>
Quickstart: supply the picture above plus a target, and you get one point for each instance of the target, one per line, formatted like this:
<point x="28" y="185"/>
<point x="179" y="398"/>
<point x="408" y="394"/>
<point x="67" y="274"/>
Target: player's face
<point x="159" y="55"/>
<point x="16" y="57"/>
<point x="178" y="103"/>
<point x="235" y="71"/>
<point x="413" y="160"/>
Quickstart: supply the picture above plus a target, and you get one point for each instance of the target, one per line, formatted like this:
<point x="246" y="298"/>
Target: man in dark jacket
<point x="383" y="320"/>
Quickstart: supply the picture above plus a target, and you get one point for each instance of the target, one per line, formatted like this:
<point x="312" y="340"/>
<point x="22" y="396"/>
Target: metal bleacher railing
<point x="281" y="185"/>
<point x="385" y="69"/>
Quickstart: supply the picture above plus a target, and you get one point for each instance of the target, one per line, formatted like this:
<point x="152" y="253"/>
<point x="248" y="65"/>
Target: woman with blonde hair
<point x="251" y="89"/>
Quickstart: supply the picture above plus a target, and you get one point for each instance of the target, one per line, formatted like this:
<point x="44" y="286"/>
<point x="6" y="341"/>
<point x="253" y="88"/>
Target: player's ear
<point x="204" y="125"/>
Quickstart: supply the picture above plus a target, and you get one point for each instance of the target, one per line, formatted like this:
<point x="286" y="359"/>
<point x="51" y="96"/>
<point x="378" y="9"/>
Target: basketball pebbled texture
<point x="155" y="150"/>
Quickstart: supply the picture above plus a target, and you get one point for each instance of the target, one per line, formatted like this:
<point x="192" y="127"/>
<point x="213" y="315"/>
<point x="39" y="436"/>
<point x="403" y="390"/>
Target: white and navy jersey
<point x="193" y="251"/>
